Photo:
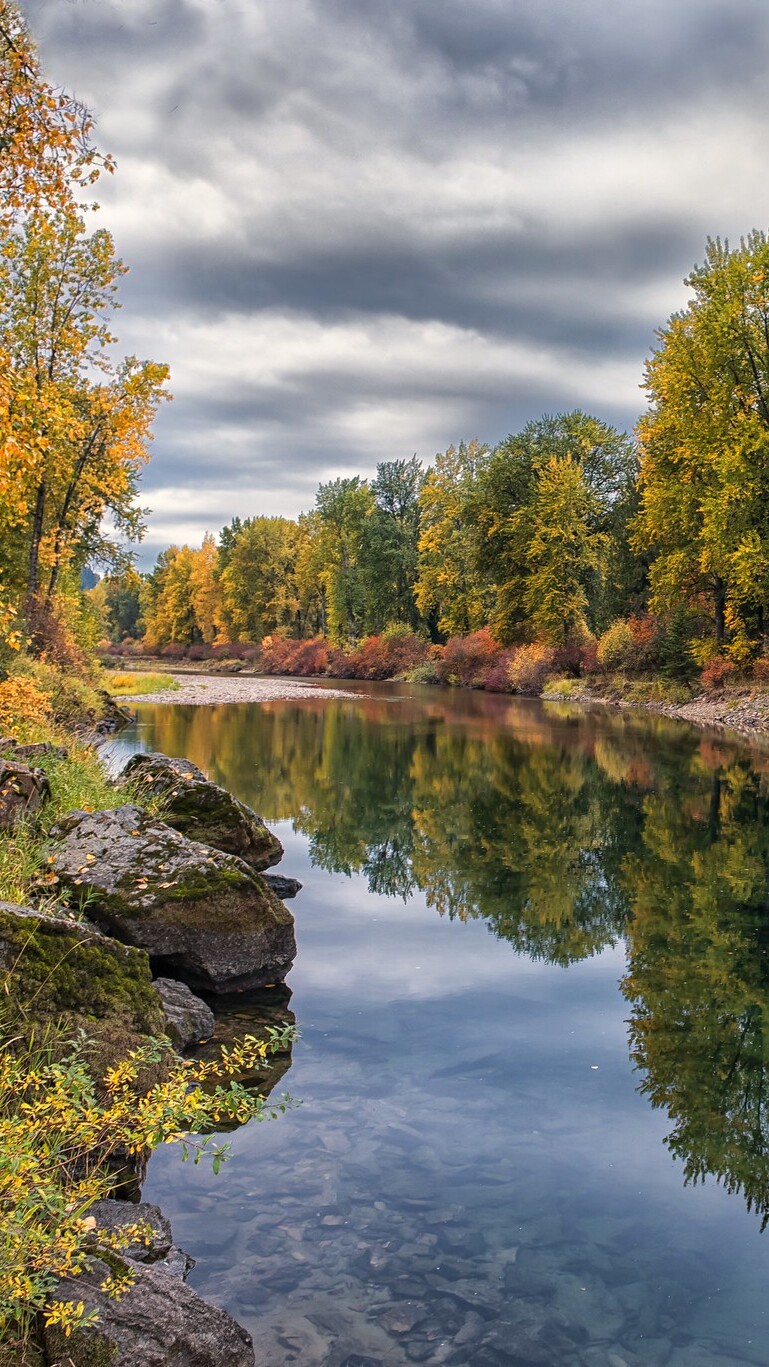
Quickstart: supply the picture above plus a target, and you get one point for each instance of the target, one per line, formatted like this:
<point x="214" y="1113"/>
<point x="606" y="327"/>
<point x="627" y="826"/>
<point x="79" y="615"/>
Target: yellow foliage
<point x="22" y="700"/>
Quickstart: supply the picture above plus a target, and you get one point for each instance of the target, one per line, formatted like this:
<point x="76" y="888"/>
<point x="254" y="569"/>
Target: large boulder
<point x="202" y="915"/>
<point x="188" y="1019"/>
<point x="203" y="811"/>
<point x="23" y="791"/>
<point x="65" y="967"/>
<point x="159" y="1322"/>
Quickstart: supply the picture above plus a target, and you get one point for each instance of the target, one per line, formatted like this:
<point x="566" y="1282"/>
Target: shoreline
<point x="200" y="690"/>
<point x="744" y="714"/>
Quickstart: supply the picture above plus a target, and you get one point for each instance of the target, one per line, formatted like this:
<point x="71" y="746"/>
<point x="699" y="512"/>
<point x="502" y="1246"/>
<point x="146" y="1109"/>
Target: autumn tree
<point x="257" y="581"/>
<point x="450" y="591"/>
<point x="705" y="447"/>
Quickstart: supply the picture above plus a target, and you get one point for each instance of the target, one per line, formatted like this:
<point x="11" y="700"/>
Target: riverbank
<point x="746" y="713"/>
<point x="209" y="689"/>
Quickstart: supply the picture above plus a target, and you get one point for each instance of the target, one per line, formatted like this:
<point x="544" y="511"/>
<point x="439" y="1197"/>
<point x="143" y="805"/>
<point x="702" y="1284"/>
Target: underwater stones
<point x="23" y="791"/>
<point x="188" y="1020"/>
<point x="200" y="914"/>
<point x="282" y="886"/>
<point x="203" y="811"/>
<point x="158" y="1322"/>
<point x="62" y="966"/>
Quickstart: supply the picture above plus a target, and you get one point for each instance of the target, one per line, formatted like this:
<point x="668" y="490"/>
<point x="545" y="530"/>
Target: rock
<point x="40" y="750"/>
<point x="156" y="1245"/>
<point x="23" y="791"/>
<point x="203" y="811"/>
<point x="159" y="1322"/>
<point x="113" y="1216"/>
<point x="68" y="967"/>
<point x="188" y="1020"/>
<point x="114" y="717"/>
<point x="282" y="887"/>
<point x="200" y="914"/>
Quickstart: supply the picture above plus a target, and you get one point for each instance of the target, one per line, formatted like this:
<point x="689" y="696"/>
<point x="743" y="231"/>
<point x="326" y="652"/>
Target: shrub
<point x="615" y="649"/>
<point x="530" y="667"/>
<point x="59" y="1129"/>
<point x="174" y="650"/>
<point x="382" y="657"/>
<point x="199" y="652"/>
<point x="22" y="700"/>
<point x="468" y="659"/>
<point x="496" y="679"/>
<point x="717" y="673"/>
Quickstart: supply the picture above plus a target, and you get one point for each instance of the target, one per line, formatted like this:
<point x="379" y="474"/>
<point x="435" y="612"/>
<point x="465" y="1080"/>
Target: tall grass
<point x="127" y="684"/>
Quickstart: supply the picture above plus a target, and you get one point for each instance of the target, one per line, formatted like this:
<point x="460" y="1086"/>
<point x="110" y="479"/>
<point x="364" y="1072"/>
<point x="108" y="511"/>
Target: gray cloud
<point x="360" y="228"/>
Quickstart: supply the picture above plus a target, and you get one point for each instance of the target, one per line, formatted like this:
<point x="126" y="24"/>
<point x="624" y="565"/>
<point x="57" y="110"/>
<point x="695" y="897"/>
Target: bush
<point x="467" y="660"/>
<point x="382" y="657"/>
<point x="717" y="673"/>
<point x="199" y="652"/>
<point x="60" y="1128"/>
<point x="615" y="649"/>
<point x="530" y="667"/>
<point x="22" y="700"/>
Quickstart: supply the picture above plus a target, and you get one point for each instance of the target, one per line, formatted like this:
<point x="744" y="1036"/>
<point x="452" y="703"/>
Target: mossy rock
<point x="203" y="811"/>
<point x="203" y="916"/>
<point x="54" y="967"/>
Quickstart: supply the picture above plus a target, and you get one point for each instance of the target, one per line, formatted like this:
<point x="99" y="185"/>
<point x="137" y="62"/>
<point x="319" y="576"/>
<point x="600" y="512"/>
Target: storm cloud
<point x="359" y="229"/>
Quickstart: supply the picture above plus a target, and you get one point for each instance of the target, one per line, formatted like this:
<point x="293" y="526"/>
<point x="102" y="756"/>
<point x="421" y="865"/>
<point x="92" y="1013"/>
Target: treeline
<point x="530" y="538"/>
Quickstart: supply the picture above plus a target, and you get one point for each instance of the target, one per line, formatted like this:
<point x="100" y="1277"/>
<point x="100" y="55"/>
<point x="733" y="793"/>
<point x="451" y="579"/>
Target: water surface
<point x="532" y="987"/>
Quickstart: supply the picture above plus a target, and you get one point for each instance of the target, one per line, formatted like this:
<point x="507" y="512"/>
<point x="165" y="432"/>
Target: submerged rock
<point x="23" y="791"/>
<point x="282" y="886"/>
<point x="201" y="915"/>
<point x="159" y="1322"/>
<point x="62" y="966"/>
<point x="188" y="1020"/>
<point x="203" y="811"/>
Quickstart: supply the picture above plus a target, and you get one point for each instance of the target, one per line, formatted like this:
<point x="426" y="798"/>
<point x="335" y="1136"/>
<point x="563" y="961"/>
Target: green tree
<point x="258" y="581"/>
<point x="705" y="447"/>
<point x="344" y="507"/>
<point x="390" y="545"/>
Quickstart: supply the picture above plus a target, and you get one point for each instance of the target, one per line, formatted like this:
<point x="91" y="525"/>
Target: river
<point x="532" y="991"/>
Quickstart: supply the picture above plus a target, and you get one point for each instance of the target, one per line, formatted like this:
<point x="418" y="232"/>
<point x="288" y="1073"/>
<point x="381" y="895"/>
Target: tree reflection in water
<point x="564" y="830"/>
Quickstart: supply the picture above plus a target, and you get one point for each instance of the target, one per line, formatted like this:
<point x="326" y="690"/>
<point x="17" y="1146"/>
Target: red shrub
<point x="531" y="667"/>
<point x="199" y="652"/>
<point x="716" y="673"/>
<point x="173" y="651"/>
<point x="646" y="632"/>
<point x="382" y="657"/>
<point x="467" y="660"/>
<point x="760" y="669"/>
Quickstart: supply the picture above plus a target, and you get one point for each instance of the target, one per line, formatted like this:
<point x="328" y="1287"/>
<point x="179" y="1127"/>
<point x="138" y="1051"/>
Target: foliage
<point x="717" y="672"/>
<point x="704" y="447"/>
<point x="530" y="667"/>
<point x="467" y="660"/>
<point x="616" y="648"/>
<point x="61" y="1131"/>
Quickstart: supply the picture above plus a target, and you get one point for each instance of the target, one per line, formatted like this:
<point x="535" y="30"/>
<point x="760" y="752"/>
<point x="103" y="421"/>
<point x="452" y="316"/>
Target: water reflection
<point x="565" y="833"/>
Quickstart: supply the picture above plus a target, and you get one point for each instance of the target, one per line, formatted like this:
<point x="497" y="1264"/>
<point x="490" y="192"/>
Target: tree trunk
<point x="720" y="604"/>
<point x="37" y="536"/>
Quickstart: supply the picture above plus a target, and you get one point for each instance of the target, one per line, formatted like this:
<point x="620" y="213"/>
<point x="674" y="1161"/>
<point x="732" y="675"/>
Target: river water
<point x="532" y="991"/>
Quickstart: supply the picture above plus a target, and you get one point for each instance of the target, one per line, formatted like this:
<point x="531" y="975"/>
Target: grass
<point x="79" y="781"/>
<point x="127" y="684"/>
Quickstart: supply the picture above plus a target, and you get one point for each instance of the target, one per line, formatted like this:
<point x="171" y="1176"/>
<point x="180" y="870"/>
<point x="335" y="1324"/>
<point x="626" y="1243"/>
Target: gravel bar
<point x="209" y="689"/>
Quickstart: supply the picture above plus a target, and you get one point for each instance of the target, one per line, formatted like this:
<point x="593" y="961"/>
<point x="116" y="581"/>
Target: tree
<point x="88" y="436"/>
<point x="449" y="591"/>
<point x="344" y="507"/>
<point x="258" y="586"/>
<point x="390" y="545"/>
<point x="562" y="551"/>
<point x="705" y="447"/>
<point x="499" y="509"/>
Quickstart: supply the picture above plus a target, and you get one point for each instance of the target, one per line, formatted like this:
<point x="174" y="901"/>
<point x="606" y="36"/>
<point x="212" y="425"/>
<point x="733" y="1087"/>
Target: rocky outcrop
<point x="142" y="1232"/>
<point x="188" y="1020"/>
<point x="282" y="886"/>
<point x="113" y="717"/>
<point x="67" y="967"/>
<point x="159" y="1322"/>
<point x="200" y="914"/>
<point x="203" y="811"/>
<point x="23" y="791"/>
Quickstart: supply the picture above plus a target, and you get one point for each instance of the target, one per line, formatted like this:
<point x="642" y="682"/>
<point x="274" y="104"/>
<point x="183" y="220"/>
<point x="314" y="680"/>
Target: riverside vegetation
<point x="89" y="1081"/>
<point x="565" y="549"/>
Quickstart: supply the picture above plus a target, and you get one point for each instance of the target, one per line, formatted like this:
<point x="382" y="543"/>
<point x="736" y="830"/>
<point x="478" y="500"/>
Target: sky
<point x="363" y="229"/>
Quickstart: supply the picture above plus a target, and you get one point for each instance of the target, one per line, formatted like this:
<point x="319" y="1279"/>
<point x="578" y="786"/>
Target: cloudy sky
<point x="359" y="229"/>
